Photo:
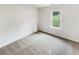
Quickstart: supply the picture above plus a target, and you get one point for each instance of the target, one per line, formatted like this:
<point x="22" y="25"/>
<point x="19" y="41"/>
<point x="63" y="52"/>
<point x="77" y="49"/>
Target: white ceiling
<point x="41" y="5"/>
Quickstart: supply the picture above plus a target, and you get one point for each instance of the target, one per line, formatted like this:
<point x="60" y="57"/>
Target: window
<point x="56" y="22"/>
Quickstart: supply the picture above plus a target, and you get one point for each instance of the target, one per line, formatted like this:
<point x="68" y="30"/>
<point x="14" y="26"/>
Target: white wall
<point x="70" y="21"/>
<point x="16" y="22"/>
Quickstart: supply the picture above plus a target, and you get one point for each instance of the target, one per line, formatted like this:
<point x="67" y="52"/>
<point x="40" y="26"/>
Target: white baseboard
<point x="2" y="44"/>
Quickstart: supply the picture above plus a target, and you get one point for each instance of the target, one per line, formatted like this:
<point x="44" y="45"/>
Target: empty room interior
<point x="39" y="29"/>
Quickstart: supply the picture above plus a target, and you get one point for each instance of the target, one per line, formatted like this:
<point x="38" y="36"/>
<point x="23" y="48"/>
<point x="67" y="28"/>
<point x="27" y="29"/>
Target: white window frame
<point x="52" y="22"/>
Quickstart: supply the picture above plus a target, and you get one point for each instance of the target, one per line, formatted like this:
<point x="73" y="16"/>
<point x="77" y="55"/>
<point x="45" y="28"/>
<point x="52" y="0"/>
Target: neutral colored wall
<point x="16" y="22"/>
<point x="69" y="17"/>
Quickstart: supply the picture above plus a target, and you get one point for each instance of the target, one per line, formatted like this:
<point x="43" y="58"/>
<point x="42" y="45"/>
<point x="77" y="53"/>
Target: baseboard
<point x="12" y="41"/>
<point x="65" y="38"/>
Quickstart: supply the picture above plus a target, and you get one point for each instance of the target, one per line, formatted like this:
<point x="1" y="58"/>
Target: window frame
<point x="52" y="19"/>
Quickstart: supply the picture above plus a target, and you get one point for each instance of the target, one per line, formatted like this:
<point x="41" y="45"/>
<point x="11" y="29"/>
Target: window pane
<point x="56" y="19"/>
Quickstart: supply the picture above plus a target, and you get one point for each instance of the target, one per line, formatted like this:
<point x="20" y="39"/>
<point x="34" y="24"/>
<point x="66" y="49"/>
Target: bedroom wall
<point x="16" y="22"/>
<point x="69" y="18"/>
